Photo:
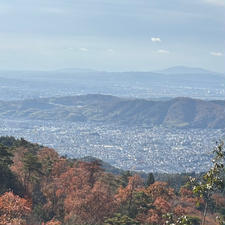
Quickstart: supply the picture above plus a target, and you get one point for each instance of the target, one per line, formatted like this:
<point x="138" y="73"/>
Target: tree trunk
<point x="205" y="213"/>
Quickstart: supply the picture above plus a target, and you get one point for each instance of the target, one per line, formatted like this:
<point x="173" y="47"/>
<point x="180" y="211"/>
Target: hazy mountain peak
<point x="185" y="69"/>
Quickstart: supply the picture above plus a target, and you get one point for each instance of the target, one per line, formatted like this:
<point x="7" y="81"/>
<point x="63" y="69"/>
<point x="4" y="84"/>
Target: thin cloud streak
<point x="84" y="49"/>
<point x="163" y="51"/>
<point x="156" y="39"/>
<point x="216" y="53"/>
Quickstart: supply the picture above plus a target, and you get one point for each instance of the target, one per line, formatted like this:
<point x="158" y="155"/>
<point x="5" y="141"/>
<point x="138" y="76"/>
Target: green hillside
<point x="178" y="112"/>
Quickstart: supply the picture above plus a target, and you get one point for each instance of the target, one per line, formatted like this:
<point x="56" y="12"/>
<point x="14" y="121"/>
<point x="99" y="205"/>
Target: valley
<point x="148" y="149"/>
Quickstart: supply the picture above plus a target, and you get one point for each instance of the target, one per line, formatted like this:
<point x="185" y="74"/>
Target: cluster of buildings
<point x="156" y="149"/>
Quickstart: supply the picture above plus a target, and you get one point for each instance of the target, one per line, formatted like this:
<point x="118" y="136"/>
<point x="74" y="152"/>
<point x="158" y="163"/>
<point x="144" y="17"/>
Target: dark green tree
<point x="6" y="176"/>
<point x="5" y="156"/>
<point x="119" y="219"/>
<point x="32" y="168"/>
<point x="150" y="179"/>
<point x="125" y="177"/>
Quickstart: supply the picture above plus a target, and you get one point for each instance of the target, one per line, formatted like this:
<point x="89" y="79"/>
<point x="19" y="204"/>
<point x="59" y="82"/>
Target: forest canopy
<point x="38" y="186"/>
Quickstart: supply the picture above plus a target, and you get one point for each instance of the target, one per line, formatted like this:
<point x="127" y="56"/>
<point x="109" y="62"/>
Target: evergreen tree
<point x="119" y="219"/>
<point x="6" y="176"/>
<point x="125" y="178"/>
<point x="32" y="168"/>
<point x="150" y="179"/>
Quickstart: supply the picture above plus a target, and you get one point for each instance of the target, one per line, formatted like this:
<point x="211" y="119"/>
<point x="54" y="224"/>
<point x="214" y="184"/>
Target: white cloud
<point x="84" y="49"/>
<point x="156" y="39"/>
<point x="163" y="51"/>
<point x="216" y="2"/>
<point x="216" y="53"/>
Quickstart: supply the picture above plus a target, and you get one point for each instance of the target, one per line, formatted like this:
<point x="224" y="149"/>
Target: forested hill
<point x="37" y="186"/>
<point x="177" y="112"/>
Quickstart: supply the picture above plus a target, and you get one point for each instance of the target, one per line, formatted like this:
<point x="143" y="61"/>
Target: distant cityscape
<point x="187" y="82"/>
<point x="155" y="91"/>
<point x="156" y="149"/>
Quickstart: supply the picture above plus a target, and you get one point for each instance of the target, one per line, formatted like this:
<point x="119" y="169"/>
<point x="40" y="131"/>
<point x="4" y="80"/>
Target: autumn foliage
<point x="54" y="190"/>
<point x="13" y="209"/>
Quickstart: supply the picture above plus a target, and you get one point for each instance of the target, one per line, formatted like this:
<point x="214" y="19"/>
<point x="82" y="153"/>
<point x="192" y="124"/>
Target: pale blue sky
<point x="113" y="35"/>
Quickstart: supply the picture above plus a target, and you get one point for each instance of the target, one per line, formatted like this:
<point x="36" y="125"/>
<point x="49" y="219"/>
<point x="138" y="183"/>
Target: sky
<point x="112" y="35"/>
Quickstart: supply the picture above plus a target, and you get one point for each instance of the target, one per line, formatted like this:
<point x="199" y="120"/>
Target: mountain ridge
<point x="186" y="69"/>
<point x="171" y="69"/>
<point x="181" y="112"/>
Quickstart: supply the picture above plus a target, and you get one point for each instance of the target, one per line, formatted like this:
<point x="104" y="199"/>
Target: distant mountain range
<point x="186" y="70"/>
<point x="172" y="73"/>
<point x="169" y="70"/>
<point x="178" y="112"/>
<point x="172" y="82"/>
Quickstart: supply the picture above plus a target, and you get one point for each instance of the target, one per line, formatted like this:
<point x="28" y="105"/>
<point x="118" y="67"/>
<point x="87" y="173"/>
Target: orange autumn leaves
<point x="13" y="209"/>
<point x="86" y="197"/>
<point x="148" y="205"/>
<point x="76" y="192"/>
